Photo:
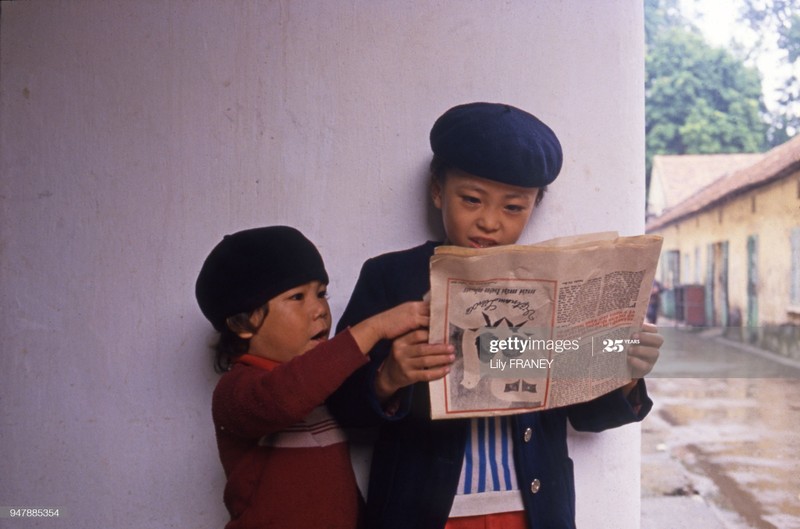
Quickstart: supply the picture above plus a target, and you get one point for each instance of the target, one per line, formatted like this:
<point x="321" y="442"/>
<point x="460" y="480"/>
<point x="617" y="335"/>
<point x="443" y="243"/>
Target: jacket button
<point x="535" y="486"/>
<point x="527" y="435"/>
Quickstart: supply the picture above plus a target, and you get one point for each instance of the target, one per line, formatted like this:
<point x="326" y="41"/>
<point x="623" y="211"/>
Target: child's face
<point x="297" y="321"/>
<point x="479" y="213"/>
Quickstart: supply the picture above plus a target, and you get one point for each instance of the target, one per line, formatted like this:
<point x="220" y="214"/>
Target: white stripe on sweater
<point x="317" y="430"/>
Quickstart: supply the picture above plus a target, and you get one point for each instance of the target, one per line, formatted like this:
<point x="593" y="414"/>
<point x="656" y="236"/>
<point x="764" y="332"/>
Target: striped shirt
<point x="488" y="482"/>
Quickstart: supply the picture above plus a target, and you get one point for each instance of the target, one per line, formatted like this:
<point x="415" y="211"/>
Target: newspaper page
<point x="538" y="326"/>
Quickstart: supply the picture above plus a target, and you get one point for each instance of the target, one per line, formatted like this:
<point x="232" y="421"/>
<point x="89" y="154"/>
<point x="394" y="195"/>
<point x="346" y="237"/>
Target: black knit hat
<point x="250" y="267"/>
<point x="498" y="142"/>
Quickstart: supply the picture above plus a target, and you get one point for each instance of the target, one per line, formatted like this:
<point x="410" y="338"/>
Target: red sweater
<point x="286" y="460"/>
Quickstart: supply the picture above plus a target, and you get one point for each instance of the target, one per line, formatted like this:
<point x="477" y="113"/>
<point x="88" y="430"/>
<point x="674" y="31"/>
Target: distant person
<point x="285" y="458"/>
<point x="655" y="302"/>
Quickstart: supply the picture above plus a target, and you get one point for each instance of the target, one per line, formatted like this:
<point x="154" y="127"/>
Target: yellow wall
<point x="770" y="212"/>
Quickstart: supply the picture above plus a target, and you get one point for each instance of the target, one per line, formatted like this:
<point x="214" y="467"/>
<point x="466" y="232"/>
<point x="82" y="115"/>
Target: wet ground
<point x="724" y="433"/>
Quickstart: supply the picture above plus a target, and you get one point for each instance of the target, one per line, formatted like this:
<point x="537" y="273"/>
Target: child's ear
<point x="436" y="193"/>
<point x="240" y="326"/>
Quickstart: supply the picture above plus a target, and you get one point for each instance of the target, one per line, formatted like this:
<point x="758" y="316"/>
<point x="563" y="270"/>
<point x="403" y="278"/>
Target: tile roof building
<point x="675" y="178"/>
<point x="733" y="244"/>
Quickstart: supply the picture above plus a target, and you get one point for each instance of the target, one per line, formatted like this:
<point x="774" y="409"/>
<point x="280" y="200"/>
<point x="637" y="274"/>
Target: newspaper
<point x="538" y="326"/>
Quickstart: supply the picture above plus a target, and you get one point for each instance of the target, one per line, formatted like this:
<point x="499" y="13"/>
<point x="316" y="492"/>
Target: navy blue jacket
<point x="417" y="462"/>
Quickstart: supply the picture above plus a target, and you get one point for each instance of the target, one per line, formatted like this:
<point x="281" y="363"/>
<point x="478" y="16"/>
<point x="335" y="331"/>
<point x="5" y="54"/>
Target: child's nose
<point x="489" y="221"/>
<point x="320" y="308"/>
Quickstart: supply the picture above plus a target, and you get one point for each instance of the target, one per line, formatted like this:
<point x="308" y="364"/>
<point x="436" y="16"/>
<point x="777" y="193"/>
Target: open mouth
<point x="321" y="335"/>
<point x="483" y="243"/>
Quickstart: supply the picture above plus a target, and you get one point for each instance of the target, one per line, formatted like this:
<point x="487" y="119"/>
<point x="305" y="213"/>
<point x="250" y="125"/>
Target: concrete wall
<point x="133" y="135"/>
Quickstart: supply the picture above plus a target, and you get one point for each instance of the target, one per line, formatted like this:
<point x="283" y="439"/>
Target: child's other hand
<point x="411" y="360"/>
<point x="391" y="323"/>
<point x="403" y="318"/>
<point x="643" y="356"/>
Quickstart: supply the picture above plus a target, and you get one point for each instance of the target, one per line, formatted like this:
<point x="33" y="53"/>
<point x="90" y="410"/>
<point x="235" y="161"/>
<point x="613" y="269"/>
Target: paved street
<point x="722" y="451"/>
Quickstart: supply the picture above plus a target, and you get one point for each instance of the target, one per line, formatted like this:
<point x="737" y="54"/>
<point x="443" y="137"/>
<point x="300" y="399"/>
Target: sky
<point x="715" y="18"/>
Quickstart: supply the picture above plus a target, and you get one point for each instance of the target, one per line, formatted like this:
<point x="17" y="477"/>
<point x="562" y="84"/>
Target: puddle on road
<point x="742" y="434"/>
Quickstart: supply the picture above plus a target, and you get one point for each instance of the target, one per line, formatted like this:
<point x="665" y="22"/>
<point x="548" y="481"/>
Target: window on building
<point x="686" y="266"/>
<point x="795" y="268"/>
<point x="697" y="270"/>
<point x="672" y="260"/>
<point x="752" y="280"/>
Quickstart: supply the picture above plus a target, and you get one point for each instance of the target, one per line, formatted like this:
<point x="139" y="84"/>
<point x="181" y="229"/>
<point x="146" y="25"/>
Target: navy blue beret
<point x="498" y="142"/>
<point x="247" y="269"/>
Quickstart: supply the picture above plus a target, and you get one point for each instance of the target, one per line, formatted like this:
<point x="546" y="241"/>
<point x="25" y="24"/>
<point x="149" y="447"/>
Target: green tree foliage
<point x="660" y="16"/>
<point x="699" y="99"/>
<point x="779" y="20"/>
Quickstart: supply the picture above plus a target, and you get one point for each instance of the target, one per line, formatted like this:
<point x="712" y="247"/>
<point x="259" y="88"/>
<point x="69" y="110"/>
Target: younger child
<point x="491" y="164"/>
<point x="286" y="460"/>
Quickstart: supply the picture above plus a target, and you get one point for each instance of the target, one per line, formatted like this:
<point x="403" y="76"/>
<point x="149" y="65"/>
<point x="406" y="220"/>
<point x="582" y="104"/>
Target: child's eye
<point x="514" y="208"/>
<point x="470" y="199"/>
<point x="297" y="297"/>
<point x="323" y="294"/>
